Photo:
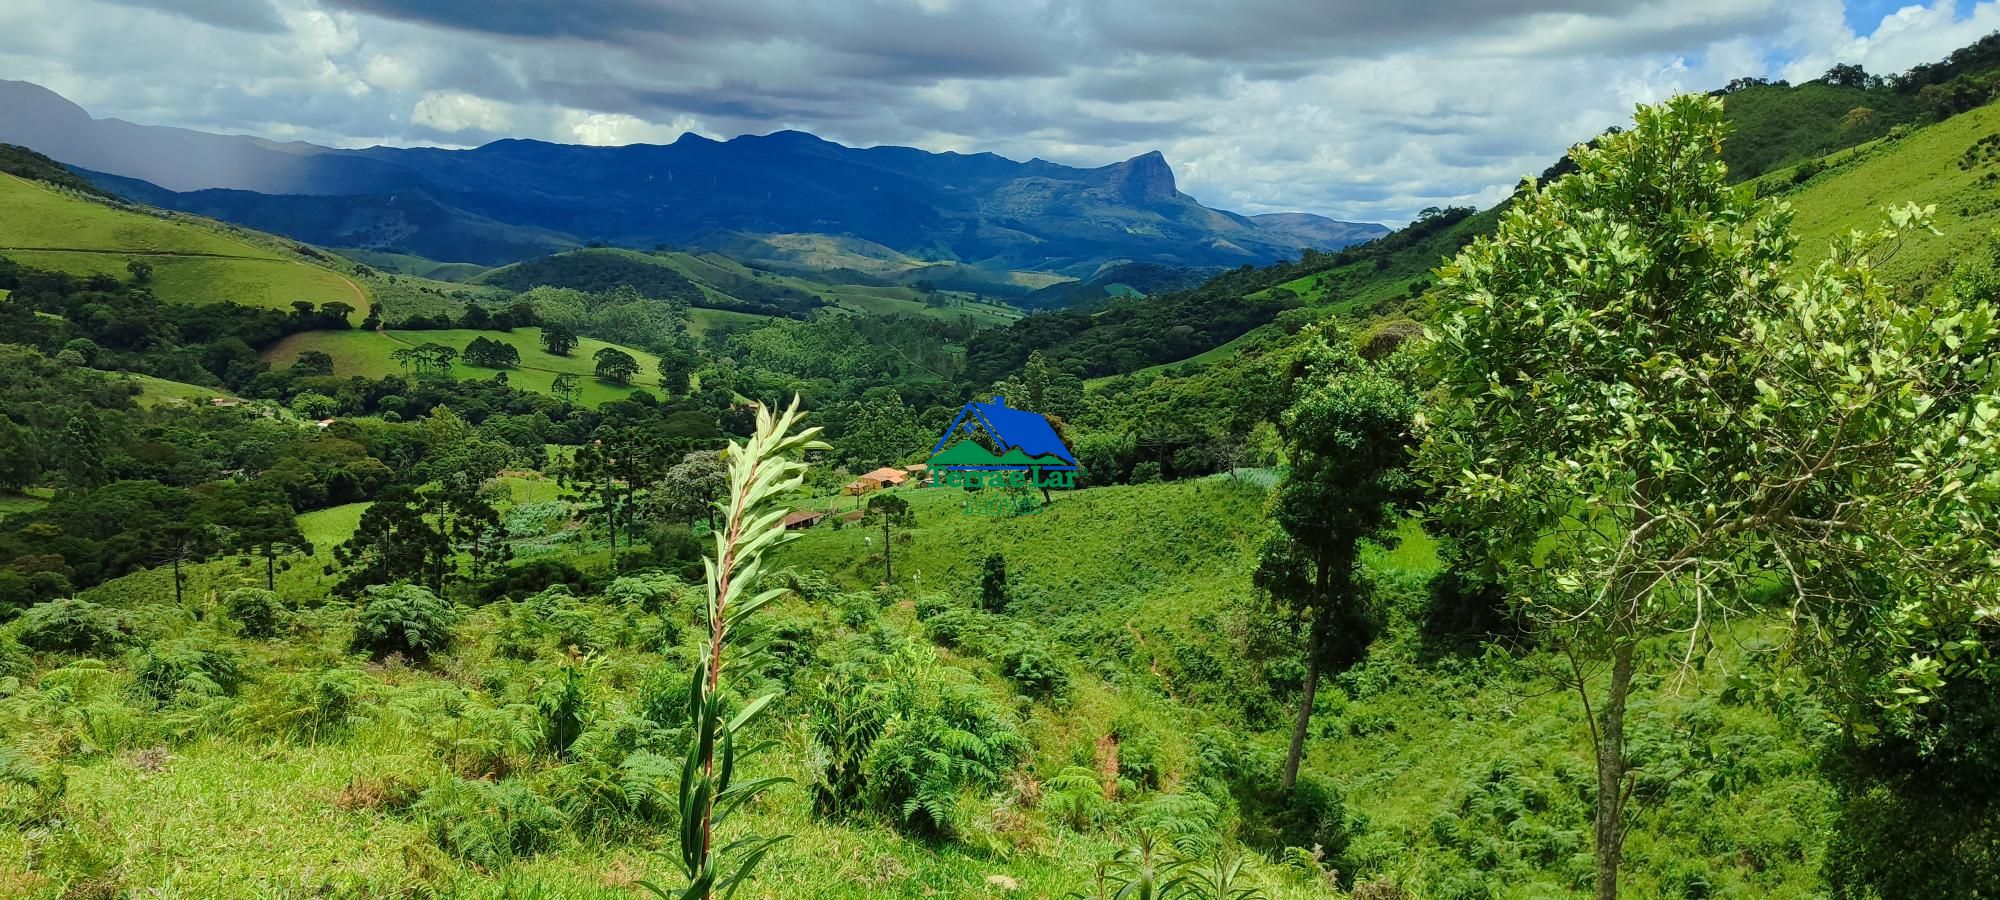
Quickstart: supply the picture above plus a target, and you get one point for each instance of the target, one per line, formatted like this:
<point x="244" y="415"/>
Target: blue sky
<point x="1358" y="109"/>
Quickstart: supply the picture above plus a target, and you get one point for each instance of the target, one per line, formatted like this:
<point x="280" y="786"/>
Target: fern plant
<point x="761" y="471"/>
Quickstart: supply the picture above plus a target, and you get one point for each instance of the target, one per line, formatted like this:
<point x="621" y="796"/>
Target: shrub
<point x="168" y="670"/>
<point x="255" y="610"/>
<point x="650" y="592"/>
<point x="955" y="626"/>
<point x="487" y="823"/>
<point x="403" y="618"/>
<point x="946" y="736"/>
<point x="532" y="577"/>
<point x="13" y="659"/>
<point x="562" y="706"/>
<point x="68" y="626"/>
<point x="1029" y="665"/>
<point x="1075" y="798"/>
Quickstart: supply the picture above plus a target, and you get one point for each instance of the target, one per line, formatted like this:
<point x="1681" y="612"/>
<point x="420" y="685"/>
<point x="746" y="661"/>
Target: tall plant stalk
<point x="761" y="471"/>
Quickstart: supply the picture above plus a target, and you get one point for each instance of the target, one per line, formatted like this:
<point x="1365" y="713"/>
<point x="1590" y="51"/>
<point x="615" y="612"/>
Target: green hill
<point x="713" y="281"/>
<point x="367" y="354"/>
<point x="1954" y="165"/>
<point x="193" y="260"/>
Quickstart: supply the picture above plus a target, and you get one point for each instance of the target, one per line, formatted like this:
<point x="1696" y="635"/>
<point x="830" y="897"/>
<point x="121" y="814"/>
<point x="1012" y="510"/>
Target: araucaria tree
<point x="761" y="472"/>
<point x="1348" y="430"/>
<point x="1647" y="424"/>
<point x="890" y="512"/>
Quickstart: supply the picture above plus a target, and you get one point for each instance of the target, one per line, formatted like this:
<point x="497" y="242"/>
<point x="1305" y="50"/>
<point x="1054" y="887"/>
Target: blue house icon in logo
<point x="1019" y="437"/>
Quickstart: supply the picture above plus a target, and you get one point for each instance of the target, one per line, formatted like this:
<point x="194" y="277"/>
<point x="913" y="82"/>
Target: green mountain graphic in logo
<point x="965" y="453"/>
<point x="968" y="453"/>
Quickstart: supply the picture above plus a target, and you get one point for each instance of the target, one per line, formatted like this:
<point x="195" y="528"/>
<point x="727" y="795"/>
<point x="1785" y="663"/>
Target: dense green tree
<point x="1643" y="420"/>
<point x="399" y="539"/>
<point x="82" y="453"/>
<point x="677" y="371"/>
<point x="488" y="353"/>
<point x="565" y="388"/>
<point x="615" y="365"/>
<point x="690" y="489"/>
<point x="1349" y="432"/>
<point x="993" y="590"/>
<point x="313" y="362"/>
<point x="255" y="520"/>
<point x="558" y="339"/>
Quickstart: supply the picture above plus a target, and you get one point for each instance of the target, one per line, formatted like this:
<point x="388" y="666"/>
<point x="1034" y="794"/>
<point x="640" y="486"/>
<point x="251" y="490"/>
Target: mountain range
<point x="751" y="196"/>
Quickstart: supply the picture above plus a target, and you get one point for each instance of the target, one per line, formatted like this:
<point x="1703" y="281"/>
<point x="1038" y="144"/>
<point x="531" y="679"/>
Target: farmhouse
<point x="803" y="518"/>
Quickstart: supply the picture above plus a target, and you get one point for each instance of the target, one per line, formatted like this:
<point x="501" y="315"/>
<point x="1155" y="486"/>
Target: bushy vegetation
<point x="528" y="647"/>
<point x="403" y="618"/>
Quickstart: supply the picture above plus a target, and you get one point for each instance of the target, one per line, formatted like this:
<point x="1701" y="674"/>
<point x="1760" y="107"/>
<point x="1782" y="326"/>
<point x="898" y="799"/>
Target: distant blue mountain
<point x="512" y="199"/>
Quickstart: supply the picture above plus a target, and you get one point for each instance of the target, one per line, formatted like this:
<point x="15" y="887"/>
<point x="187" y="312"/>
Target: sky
<point x="1361" y="110"/>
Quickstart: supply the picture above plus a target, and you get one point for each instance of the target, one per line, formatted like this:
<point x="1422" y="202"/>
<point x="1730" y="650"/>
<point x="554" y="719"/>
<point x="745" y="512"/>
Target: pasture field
<point x="368" y="354"/>
<point x="194" y="261"/>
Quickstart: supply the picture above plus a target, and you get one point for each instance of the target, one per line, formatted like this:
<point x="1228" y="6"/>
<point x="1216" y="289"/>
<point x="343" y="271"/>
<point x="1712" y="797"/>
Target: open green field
<point x="193" y="261"/>
<point x="367" y="353"/>
<point x="161" y="392"/>
<point x="14" y="503"/>
<point x="406" y="264"/>
<point x="1945" y="165"/>
<point x="701" y="321"/>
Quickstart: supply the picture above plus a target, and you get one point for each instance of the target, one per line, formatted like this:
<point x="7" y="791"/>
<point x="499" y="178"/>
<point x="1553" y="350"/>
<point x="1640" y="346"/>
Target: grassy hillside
<point x="406" y="264"/>
<point x="193" y="260"/>
<point x="367" y="353"/>
<point x="1954" y="164"/>
<point x="1456" y="780"/>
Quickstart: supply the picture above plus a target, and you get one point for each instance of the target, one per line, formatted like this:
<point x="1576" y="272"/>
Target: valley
<point x="521" y="519"/>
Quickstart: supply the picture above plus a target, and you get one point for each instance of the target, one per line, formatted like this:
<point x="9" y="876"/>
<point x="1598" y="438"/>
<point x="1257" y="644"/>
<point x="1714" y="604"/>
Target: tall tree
<point x="565" y="388"/>
<point x="1349" y="433"/>
<point x="677" y="371"/>
<point x="890" y="512"/>
<point x="399" y="539"/>
<point x="690" y="489"/>
<point x="82" y="453"/>
<point x="256" y="520"/>
<point x="1649" y="427"/>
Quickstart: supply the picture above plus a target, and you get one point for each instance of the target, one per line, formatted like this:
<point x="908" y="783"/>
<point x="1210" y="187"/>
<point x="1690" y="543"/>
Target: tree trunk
<point x="1298" y="747"/>
<point x="270" y="571"/>
<point x="179" y="581"/>
<point x="888" y="565"/>
<point x="1610" y="826"/>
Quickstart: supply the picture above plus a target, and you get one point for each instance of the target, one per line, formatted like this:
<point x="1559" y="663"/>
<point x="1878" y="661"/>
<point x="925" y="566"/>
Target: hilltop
<point x="59" y="225"/>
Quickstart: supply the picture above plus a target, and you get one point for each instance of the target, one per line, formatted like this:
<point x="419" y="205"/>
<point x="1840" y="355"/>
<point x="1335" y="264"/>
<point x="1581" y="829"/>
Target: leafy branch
<point x="760" y="472"/>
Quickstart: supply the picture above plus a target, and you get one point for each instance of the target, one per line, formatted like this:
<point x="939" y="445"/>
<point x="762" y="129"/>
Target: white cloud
<point x="455" y="111"/>
<point x="1351" y="108"/>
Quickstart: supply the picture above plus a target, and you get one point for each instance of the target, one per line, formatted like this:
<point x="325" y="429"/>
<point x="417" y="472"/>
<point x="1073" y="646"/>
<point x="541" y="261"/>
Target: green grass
<point x="193" y="260"/>
<point x="161" y="392"/>
<point x="1922" y="168"/>
<point x="406" y="264"/>
<point x="327" y="528"/>
<point x="701" y="321"/>
<point x="1459" y="768"/>
<point x="367" y="354"/>
<point x="16" y="503"/>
